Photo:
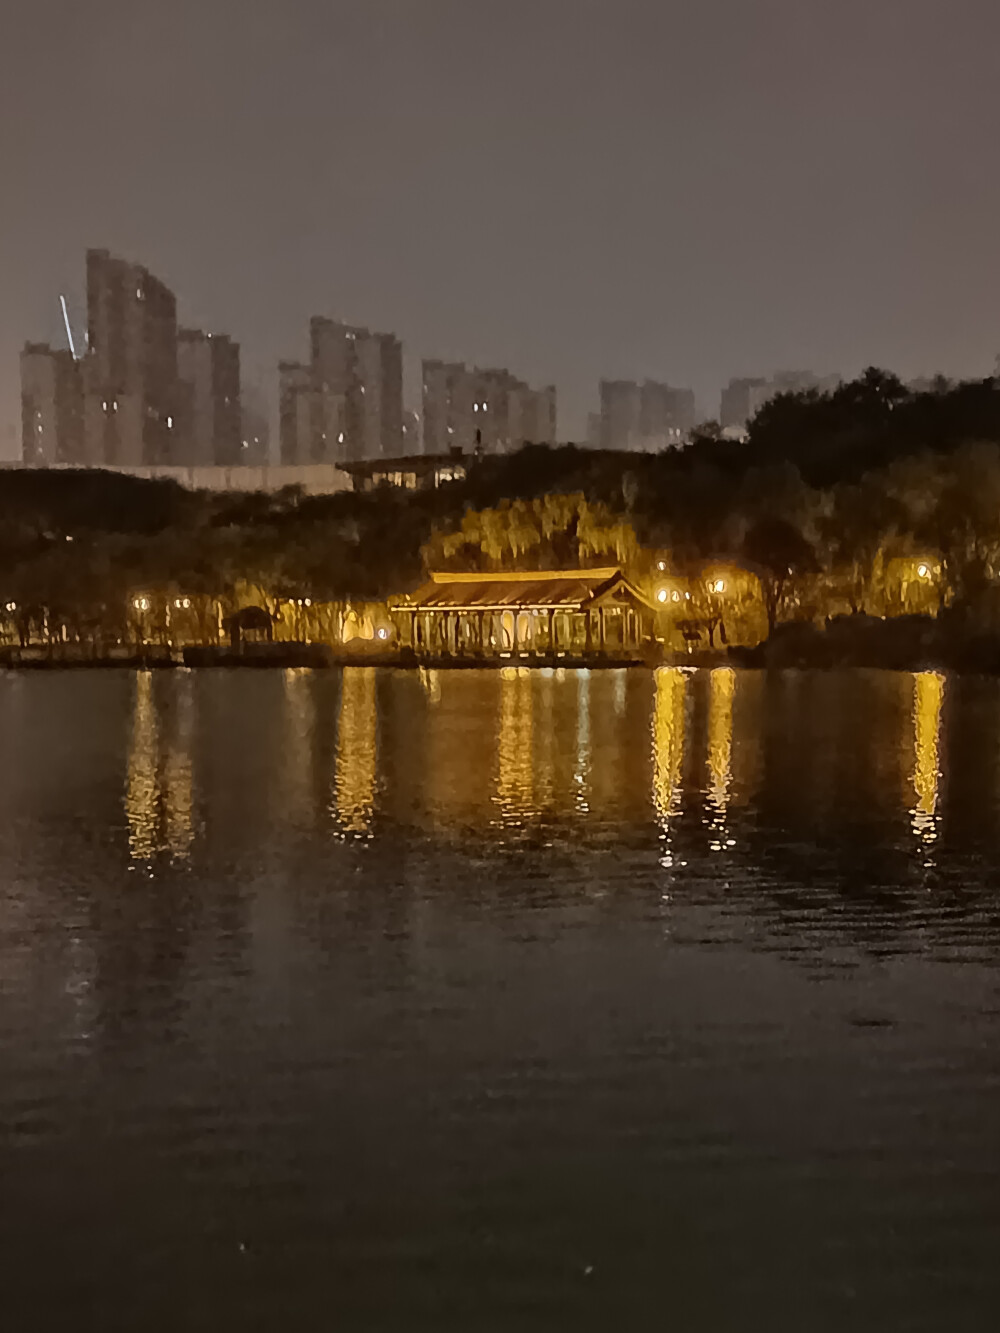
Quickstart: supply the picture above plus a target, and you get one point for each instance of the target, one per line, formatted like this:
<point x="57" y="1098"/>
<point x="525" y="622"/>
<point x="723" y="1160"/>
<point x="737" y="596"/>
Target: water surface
<point x="479" y="1000"/>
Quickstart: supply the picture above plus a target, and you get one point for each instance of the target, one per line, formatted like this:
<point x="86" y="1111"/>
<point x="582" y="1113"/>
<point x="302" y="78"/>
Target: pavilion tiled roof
<point x="565" y="589"/>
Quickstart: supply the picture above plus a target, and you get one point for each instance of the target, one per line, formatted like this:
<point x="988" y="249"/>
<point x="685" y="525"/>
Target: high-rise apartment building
<point x="210" y="414"/>
<point x="532" y="415"/>
<point x="132" y="396"/>
<point x="255" y="441"/>
<point x="739" y="402"/>
<point x="447" y="405"/>
<point x="391" y="392"/>
<point x="621" y="402"/>
<point x="295" y="413"/>
<point x="488" y="411"/>
<point x="333" y="389"/>
<point x="413" y="433"/>
<point x="666" y="415"/>
<point x="644" y="417"/>
<point x="51" y="406"/>
<point x="353" y="388"/>
<point x="375" y="402"/>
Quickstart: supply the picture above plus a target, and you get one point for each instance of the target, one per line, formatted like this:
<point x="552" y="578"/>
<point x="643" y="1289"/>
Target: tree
<point x="777" y="552"/>
<point x="854" y="530"/>
<point x="962" y="518"/>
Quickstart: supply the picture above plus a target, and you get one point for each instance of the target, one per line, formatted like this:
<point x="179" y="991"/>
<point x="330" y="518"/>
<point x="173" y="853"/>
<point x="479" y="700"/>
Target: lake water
<point x="478" y="1000"/>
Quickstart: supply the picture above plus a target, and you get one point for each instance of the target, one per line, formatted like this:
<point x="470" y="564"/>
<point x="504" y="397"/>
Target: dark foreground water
<point x="479" y="1001"/>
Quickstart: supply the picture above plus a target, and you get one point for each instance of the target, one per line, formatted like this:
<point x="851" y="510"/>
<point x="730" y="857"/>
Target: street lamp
<point x="661" y="596"/>
<point x="922" y="571"/>
<point x="719" y="585"/>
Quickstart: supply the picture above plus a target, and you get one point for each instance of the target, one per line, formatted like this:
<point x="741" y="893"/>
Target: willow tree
<point x="554" y="530"/>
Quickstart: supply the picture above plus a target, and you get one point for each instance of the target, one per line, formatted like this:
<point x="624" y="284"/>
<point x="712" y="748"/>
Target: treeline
<point x="825" y="494"/>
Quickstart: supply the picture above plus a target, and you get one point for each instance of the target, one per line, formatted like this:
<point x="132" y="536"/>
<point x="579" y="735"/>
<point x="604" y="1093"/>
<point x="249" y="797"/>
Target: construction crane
<point x="69" y="331"/>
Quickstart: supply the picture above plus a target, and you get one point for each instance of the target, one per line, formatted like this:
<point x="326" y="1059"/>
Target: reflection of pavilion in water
<point x="564" y="749"/>
<point x="467" y="751"/>
<point x="159" y="788"/>
<point x="519" y="748"/>
<point x="516" y="773"/>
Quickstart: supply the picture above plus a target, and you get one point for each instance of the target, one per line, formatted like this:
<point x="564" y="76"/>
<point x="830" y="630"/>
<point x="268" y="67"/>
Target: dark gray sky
<point x="687" y="189"/>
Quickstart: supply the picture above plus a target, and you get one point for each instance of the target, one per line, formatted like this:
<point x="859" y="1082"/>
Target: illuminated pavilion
<point x="537" y="615"/>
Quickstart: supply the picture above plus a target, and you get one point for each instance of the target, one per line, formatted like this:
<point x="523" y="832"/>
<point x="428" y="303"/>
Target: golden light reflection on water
<point x="546" y="687"/>
<point x="505" y="750"/>
<point x="581" y="771"/>
<point x="928" y="699"/>
<point x="722" y="686"/>
<point x="668" y="751"/>
<point x="430" y="679"/>
<point x="178" y="785"/>
<point x="515" y="781"/>
<point x="159" y="789"/>
<point x="141" y="801"/>
<point x="357" y="752"/>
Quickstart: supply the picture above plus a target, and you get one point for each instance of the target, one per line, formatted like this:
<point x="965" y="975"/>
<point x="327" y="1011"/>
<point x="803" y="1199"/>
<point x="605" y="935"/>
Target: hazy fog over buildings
<point x="644" y="416"/>
<point x="138" y="390"/>
<point x="742" y="399"/>
<point x="725" y="264"/>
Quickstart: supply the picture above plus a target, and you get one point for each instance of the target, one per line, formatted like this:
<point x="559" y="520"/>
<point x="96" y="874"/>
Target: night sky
<point x="571" y="188"/>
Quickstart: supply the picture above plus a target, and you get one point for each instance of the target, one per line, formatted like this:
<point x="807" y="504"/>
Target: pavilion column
<point x="479" y="633"/>
<point x="589" y="629"/>
<point x="552" y="631"/>
<point x="600" y="623"/>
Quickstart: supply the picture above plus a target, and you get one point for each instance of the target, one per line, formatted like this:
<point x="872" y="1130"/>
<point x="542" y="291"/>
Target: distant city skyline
<point x="134" y="387"/>
<point x="516" y="189"/>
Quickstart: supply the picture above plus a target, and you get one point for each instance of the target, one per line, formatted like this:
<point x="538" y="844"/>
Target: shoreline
<point x="741" y="660"/>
